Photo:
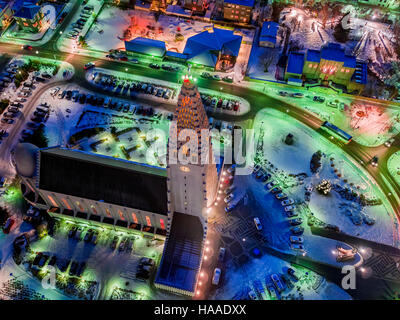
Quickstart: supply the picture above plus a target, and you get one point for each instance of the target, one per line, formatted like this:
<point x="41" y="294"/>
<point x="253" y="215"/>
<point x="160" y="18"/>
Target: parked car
<point x="295" y="239"/>
<point x="221" y="254"/>
<point x="296" y="246"/>
<point x="228" y="198"/>
<point x="296" y="221"/>
<point x="281" y="195"/>
<point x="216" y="276"/>
<point x="277" y="282"/>
<point x="297" y="230"/>
<point x="276" y="190"/>
<point x="289" y="208"/>
<point x="287" y="202"/>
<point x="257" y="222"/>
<point x="154" y="66"/>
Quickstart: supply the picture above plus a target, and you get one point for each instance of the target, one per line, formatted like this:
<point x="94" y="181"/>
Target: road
<point x="256" y="99"/>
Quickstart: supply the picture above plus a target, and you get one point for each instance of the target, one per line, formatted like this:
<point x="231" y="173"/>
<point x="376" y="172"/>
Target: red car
<point x="7" y="226"/>
<point x="27" y="47"/>
<point x="123" y="59"/>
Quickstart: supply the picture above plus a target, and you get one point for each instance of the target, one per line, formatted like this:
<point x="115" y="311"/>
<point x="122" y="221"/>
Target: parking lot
<point x="94" y="256"/>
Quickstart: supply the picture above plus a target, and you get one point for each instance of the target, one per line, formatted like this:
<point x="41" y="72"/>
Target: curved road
<point x="256" y="99"/>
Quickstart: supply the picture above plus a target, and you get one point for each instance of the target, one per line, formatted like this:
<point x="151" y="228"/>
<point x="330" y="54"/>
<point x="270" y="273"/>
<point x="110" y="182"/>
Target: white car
<point x="389" y="142"/>
<point x="294" y="239"/>
<point x="295" y="246"/>
<point x="252" y="295"/>
<point x="287" y="202"/>
<point x="54" y="91"/>
<point x="216" y="276"/>
<point x="228" y="198"/>
<point x="289" y="208"/>
<point x="258" y="223"/>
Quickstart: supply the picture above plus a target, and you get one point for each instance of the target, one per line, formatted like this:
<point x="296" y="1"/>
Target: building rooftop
<point x="313" y="55"/>
<point x="295" y="63"/>
<point x="181" y="258"/>
<point x="201" y="47"/>
<point x="146" y="46"/>
<point x="269" y="30"/>
<point x="102" y="178"/>
<point x="247" y="3"/>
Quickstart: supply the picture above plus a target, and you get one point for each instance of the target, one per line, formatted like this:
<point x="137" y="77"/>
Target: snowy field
<point x="295" y="159"/>
<point x="165" y="29"/>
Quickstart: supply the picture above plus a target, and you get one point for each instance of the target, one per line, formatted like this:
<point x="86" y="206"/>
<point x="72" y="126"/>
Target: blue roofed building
<point x="268" y="34"/>
<point x="294" y="67"/>
<point x="238" y="11"/>
<point x="216" y="48"/>
<point x="330" y="64"/>
<point x="28" y="16"/>
<point x="146" y="46"/>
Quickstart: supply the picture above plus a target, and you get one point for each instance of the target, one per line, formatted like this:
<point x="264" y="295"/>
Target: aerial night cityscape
<point x="198" y="150"/>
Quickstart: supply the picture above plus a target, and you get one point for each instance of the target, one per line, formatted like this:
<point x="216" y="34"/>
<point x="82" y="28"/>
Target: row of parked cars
<point x="76" y="268"/>
<point x="80" y="23"/>
<point x="78" y="233"/>
<point x="287" y="203"/>
<point x="213" y="102"/>
<point x="144" y="268"/>
<point x="106" y="102"/>
<point x="275" y="284"/>
<point x="131" y="88"/>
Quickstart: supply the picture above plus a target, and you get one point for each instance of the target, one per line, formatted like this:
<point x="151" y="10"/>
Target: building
<point x="29" y="17"/>
<point x="146" y="46"/>
<point x="193" y="190"/>
<point x="268" y="34"/>
<point x="196" y="5"/>
<point x="330" y="64"/>
<point x="109" y="191"/>
<point x="238" y="11"/>
<point x="216" y="48"/>
<point x="104" y="191"/>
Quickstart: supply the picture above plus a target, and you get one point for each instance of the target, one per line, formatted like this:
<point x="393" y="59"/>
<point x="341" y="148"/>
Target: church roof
<point x="203" y="47"/>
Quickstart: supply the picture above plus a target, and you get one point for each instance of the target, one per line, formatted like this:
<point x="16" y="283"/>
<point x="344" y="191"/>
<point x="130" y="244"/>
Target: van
<point x="216" y="276"/>
<point x="277" y="282"/>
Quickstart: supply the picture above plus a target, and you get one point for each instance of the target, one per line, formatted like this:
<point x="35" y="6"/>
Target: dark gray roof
<point x="102" y="178"/>
<point x="181" y="258"/>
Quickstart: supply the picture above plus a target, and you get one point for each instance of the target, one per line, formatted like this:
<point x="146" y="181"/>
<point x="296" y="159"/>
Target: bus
<point x="337" y="131"/>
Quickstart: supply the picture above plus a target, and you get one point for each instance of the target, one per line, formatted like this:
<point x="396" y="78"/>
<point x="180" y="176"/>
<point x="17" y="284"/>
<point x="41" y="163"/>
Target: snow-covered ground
<point x="393" y="165"/>
<point x="295" y="159"/>
<point x="165" y="29"/>
<point x="311" y="286"/>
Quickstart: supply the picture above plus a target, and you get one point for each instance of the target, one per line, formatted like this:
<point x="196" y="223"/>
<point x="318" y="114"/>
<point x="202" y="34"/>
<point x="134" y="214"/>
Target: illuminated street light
<point x="37" y="52"/>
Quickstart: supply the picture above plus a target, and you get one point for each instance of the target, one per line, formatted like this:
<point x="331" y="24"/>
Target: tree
<point x="341" y="34"/>
<point x="3" y="105"/>
<point x="38" y="138"/>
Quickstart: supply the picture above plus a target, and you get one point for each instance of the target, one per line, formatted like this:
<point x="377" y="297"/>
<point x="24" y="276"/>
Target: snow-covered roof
<point x="146" y="46"/>
<point x="247" y="3"/>
<point x="203" y="48"/>
<point x="178" y="10"/>
<point x="269" y="31"/>
<point x="295" y="63"/>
